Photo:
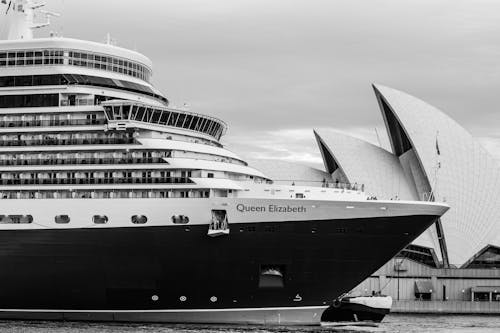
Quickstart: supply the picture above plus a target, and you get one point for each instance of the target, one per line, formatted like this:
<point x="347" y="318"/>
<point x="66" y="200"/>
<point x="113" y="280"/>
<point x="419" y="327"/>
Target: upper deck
<point x="57" y="51"/>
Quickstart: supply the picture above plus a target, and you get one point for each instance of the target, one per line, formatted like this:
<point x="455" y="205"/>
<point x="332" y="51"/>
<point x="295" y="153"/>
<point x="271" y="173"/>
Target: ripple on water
<point x="392" y="323"/>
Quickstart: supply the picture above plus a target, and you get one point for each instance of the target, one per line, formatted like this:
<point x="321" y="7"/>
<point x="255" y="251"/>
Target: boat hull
<point x="349" y="310"/>
<point x="260" y="316"/>
<point x="179" y="274"/>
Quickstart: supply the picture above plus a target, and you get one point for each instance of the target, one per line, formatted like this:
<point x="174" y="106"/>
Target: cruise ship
<point x="116" y="206"/>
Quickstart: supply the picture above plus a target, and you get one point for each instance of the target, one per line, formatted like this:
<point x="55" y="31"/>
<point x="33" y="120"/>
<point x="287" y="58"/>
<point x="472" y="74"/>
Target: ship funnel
<point x="17" y="18"/>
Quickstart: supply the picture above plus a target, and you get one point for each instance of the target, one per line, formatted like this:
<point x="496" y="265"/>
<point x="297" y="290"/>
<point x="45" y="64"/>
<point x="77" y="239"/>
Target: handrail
<point x="80" y="161"/>
<point x="320" y="183"/>
<point x="42" y="123"/>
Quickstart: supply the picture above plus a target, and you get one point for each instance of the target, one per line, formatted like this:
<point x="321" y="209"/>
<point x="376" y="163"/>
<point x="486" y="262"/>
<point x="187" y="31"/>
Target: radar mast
<point x="18" y="18"/>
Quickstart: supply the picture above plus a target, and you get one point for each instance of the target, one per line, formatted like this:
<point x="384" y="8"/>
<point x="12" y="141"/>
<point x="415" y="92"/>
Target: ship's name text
<point x="271" y="209"/>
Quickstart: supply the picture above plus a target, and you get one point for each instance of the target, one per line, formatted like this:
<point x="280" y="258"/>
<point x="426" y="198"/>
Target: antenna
<point x="19" y="18"/>
<point x="109" y="40"/>
<point x="48" y="15"/>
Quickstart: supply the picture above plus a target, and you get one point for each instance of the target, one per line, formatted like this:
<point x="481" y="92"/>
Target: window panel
<point x="187" y="121"/>
<point x="140" y="113"/>
<point x="172" y="119"/>
<point x="133" y="112"/>
<point x="194" y="122"/>
<point x="156" y="116"/>
<point x="164" y="117"/>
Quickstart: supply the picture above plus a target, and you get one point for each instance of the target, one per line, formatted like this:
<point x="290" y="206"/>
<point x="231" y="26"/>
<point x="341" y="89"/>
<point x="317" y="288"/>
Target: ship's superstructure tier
<point x="82" y="120"/>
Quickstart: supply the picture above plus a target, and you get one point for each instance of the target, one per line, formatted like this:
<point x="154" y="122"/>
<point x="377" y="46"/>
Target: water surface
<point x="392" y="323"/>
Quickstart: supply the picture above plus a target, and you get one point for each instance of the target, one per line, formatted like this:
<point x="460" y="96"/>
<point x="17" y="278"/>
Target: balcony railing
<point x="54" y="142"/>
<point x="97" y="181"/>
<point x="324" y="183"/>
<point x="78" y="161"/>
<point x="105" y="194"/>
<point x="48" y="123"/>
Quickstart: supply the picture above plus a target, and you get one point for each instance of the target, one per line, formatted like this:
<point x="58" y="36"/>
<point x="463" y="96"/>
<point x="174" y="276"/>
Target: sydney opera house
<point x="432" y="157"/>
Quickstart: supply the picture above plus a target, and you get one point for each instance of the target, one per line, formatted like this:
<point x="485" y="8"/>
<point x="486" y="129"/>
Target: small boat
<point x="357" y="311"/>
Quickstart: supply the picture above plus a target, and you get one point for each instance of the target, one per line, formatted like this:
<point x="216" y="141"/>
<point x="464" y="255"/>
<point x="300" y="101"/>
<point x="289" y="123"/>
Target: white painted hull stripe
<point x="299" y="308"/>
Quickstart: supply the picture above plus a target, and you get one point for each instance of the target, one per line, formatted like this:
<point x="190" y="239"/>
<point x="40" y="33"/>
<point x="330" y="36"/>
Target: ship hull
<point x="179" y="274"/>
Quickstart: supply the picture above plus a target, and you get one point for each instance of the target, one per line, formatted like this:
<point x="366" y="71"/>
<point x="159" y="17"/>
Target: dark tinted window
<point x="180" y="219"/>
<point x="62" y="219"/>
<point x="36" y="100"/>
<point x="139" y="219"/>
<point x="100" y="219"/>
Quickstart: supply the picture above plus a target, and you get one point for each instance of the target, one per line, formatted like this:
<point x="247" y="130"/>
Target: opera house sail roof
<point x="432" y="158"/>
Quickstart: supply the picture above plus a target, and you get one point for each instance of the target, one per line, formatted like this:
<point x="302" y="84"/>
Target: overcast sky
<point x="276" y="69"/>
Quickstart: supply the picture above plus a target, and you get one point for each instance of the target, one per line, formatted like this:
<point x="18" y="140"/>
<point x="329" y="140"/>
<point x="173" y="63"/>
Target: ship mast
<point x="18" y="18"/>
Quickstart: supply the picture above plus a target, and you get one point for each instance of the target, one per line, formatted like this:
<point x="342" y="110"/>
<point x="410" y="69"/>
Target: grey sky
<point x="275" y="69"/>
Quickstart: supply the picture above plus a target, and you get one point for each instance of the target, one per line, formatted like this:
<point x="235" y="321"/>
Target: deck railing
<point x="54" y="142"/>
<point x="48" y="123"/>
<point x="79" y="161"/>
<point x="324" y="183"/>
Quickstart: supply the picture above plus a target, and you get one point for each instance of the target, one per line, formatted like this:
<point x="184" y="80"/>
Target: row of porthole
<point x="135" y="219"/>
<point x="96" y="219"/>
<point x="156" y="298"/>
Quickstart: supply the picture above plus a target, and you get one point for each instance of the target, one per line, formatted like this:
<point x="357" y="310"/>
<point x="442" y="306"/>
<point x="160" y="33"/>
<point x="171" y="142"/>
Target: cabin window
<point x="139" y="219"/>
<point x="180" y="219"/>
<point x="100" y="219"/>
<point x="299" y="195"/>
<point x="210" y="175"/>
<point x="16" y="219"/>
<point x="62" y="219"/>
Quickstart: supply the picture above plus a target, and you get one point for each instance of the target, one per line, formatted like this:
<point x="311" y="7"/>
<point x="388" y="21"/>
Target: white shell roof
<point x="379" y="170"/>
<point x="468" y="178"/>
<point x="384" y="179"/>
<point x="287" y="172"/>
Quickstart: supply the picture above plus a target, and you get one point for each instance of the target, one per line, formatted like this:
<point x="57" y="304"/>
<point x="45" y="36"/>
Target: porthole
<point x="183" y="298"/>
<point x="180" y="219"/>
<point x="213" y="299"/>
<point x="155" y="298"/>
<point x="62" y="219"/>
<point x="100" y="219"/>
<point x="16" y="219"/>
<point x="139" y="219"/>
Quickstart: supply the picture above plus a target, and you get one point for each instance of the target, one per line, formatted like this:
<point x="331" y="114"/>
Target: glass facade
<point x="423" y="255"/>
<point x="75" y="79"/>
<point x="29" y="101"/>
<point x="487" y="258"/>
<point x="54" y="57"/>
<point x="168" y="117"/>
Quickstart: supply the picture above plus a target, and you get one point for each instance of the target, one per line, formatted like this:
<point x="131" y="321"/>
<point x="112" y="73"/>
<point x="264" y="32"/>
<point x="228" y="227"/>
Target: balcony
<point x="79" y="161"/>
<point x="97" y="181"/>
<point x="48" y="123"/>
<point x="63" y="142"/>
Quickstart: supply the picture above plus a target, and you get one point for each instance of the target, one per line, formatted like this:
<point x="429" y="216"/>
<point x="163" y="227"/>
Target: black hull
<point x="180" y="268"/>
<point x="346" y="312"/>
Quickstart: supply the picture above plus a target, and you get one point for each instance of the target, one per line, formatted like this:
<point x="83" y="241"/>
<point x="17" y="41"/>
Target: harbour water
<point x="392" y="323"/>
